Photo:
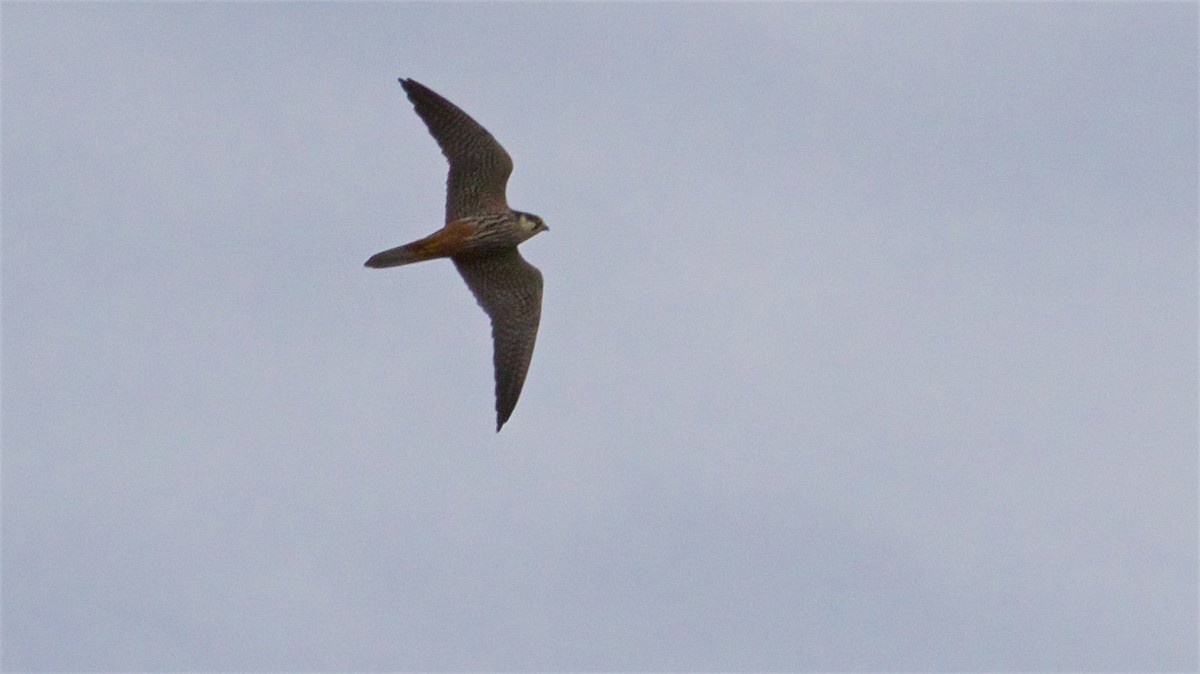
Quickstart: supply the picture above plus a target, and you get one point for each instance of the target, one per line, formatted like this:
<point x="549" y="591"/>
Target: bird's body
<point x="481" y="237"/>
<point x="474" y="235"/>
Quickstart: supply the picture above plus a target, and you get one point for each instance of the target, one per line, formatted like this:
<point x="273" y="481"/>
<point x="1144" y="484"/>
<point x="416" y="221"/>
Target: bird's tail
<point x="442" y="243"/>
<point x="394" y="257"/>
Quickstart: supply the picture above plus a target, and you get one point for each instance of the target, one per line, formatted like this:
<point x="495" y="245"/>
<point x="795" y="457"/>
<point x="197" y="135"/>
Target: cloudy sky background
<point x="869" y="339"/>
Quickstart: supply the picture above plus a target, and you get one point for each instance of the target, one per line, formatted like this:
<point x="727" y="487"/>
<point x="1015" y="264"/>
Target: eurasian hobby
<point x="481" y="237"/>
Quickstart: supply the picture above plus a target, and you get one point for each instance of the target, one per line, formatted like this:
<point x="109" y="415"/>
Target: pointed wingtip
<point x="412" y="88"/>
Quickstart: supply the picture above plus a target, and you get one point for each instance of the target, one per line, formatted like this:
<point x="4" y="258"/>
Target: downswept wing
<point x="479" y="166"/>
<point x="510" y="291"/>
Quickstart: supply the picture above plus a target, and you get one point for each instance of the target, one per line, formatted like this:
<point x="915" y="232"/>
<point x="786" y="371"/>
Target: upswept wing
<point x="479" y="166"/>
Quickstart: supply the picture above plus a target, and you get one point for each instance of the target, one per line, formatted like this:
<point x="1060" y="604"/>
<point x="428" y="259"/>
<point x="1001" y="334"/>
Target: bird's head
<point x="530" y="224"/>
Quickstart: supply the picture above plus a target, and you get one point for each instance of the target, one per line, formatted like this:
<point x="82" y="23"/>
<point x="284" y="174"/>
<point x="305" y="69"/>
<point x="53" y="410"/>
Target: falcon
<point x="480" y="237"/>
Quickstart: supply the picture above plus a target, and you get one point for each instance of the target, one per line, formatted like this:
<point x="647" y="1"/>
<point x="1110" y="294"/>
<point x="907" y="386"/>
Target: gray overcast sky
<point x="869" y="339"/>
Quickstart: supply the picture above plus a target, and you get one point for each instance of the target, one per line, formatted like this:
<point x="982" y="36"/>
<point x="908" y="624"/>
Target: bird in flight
<point x="481" y="237"/>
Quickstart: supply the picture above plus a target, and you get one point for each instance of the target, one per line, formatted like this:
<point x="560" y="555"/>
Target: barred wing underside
<point x="479" y="166"/>
<point x="510" y="290"/>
